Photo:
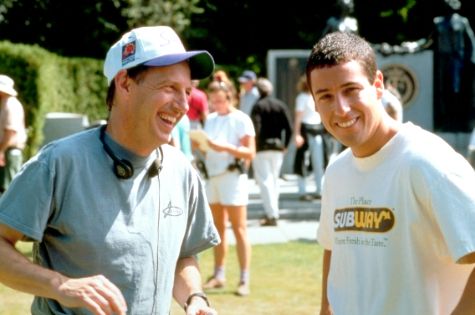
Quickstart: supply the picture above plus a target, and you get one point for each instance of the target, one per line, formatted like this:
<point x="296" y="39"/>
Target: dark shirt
<point x="271" y="120"/>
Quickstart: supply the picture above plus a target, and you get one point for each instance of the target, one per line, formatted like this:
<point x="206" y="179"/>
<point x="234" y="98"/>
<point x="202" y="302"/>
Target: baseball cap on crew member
<point x="247" y="75"/>
<point x="155" y="46"/>
<point x="6" y="85"/>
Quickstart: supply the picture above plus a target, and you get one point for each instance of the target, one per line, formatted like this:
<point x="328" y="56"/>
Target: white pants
<point x="266" y="166"/>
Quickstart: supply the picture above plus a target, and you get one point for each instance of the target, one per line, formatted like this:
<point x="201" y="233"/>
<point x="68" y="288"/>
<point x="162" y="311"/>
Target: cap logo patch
<point x="128" y="53"/>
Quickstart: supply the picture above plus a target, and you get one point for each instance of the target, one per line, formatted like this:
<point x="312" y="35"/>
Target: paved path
<point x="299" y="219"/>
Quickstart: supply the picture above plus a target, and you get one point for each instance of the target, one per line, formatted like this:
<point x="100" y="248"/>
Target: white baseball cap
<point x="155" y="46"/>
<point x="6" y="85"/>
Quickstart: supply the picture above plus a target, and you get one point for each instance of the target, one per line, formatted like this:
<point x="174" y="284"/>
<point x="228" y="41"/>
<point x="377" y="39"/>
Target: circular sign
<point x="403" y="80"/>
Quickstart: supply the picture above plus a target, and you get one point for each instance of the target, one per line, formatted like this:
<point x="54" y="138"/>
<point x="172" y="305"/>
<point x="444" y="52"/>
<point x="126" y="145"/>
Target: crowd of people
<point x="169" y="171"/>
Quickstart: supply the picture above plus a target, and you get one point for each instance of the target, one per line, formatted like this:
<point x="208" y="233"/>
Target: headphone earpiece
<point x="123" y="169"/>
<point x="156" y="166"/>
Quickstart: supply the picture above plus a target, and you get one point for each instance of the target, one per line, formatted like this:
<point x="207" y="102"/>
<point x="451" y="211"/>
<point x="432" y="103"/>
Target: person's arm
<point x="187" y="288"/>
<point x="466" y="304"/>
<point x="299" y="139"/>
<point x="204" y="108"/>
<point x="325" y="308"/>
<point x="8" y="140"/>
<point x="96" y="293"/>
<point x="246" y="149"/>
<point x="203" y="114"/>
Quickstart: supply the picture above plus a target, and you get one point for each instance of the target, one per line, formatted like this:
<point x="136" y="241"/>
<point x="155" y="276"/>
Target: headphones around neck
<point x="122" y="168"/>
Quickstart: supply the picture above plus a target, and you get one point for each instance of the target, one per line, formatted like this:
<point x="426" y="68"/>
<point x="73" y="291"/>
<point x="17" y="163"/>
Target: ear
<point x="379" y="84"/>
<point x="122" y="81"/>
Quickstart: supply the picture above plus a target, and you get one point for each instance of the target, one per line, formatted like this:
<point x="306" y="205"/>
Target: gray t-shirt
<point x="85" y="221"/>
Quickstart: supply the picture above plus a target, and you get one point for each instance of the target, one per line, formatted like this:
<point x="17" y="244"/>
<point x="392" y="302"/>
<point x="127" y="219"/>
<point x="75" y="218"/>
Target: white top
<point x="396" y="223"/>
<point x="230" y="128"/>
<point x="304" y="103"/>
<point x="12" y="117"/>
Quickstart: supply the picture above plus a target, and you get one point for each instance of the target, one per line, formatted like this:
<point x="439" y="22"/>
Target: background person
<point x="398" y="206"/>
<point x="222" y="76"/>
<point x="198" y="106"/>
<point x="248" y="91"/>
<point x="12" y="132"/>
<point x="231" y="138"/>
<point x="391" y="101"/>
<point x="308" y="133"/>
<point x="116" y="215"/>
<point x="181" y="137"/>
<point x="271" y="121"/>
<point x="196" y="114"/>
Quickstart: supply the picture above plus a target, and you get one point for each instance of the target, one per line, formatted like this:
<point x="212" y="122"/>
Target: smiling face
<point x="148" y="107"/>
<point x="350" y="106"/>
<point x="220" y="96"/>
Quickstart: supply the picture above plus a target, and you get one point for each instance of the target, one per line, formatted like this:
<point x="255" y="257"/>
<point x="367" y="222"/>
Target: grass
<point x="285" y="279"/>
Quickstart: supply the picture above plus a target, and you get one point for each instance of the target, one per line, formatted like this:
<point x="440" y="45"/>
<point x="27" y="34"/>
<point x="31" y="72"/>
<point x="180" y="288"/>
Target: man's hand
<point x="97" y="294"/>
<point x="198" y="307"/>
<point x="299" y="140"/>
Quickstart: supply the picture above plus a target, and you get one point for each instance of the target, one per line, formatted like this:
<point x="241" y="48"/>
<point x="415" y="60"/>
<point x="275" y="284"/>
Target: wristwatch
<point x="196" y="294"/>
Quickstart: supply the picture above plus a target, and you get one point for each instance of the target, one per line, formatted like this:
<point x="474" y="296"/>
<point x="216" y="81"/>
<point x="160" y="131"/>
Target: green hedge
<point x="47" y="82"/>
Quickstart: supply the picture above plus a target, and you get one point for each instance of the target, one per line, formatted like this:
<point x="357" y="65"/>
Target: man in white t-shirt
<point x="398" y="206"/>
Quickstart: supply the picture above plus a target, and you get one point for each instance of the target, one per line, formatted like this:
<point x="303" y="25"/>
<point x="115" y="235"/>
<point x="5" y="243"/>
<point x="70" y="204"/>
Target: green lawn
<point x="285" y="279"/>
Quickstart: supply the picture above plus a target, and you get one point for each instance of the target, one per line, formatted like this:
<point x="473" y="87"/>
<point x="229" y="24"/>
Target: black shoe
<point x="269" y="222"/>
<point x="306" y="198"/>
<point x="316" y="196"/>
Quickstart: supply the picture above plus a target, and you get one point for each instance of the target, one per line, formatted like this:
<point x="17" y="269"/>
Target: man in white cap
<point x="12" y="132"/>
<point x="116" y="215"/>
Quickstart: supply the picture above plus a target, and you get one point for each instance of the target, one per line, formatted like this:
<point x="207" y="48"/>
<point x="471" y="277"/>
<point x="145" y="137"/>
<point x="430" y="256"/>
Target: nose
<point x="342" y="105"/>
<point x="182" y="102"/>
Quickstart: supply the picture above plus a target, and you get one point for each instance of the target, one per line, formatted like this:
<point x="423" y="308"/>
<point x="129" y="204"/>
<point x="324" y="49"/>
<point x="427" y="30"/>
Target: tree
<point x="174" y="13"/>
<point x="237" y="33"/>
<point x="86" y="28"/>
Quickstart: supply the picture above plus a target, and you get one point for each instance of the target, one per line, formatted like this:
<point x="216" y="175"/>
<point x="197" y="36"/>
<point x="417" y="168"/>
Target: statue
<point x="454" y="58"/>
<point x="345" y="22"/>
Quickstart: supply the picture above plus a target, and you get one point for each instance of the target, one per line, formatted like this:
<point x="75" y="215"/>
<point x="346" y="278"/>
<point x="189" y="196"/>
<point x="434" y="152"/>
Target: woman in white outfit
<point x="231" y="138"/>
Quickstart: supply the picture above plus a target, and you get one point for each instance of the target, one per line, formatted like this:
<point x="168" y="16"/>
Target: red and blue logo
<point x="128" y="52"/>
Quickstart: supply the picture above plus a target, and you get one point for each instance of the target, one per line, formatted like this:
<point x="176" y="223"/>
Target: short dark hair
<point x="134" y="73"/>
<point x="341" y="47"/>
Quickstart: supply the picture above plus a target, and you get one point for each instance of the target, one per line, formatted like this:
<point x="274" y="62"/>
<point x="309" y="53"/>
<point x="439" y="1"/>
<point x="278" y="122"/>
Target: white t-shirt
<point x="304" y="103"/>
<point x="228" y="128"/>
<point x="12" y="117"/>
<point x="396" y="223"/>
